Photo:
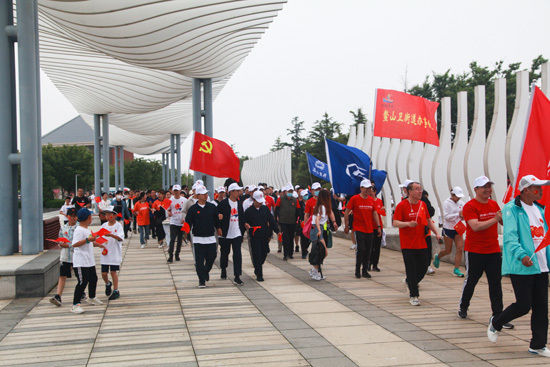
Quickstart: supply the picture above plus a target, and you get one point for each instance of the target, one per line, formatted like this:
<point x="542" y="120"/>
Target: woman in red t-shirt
<point x="411" y="217"/>
<point x="141" y="210"/>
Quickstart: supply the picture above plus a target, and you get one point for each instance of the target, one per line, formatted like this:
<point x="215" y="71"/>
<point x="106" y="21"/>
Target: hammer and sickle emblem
<point x="206" y="147"/>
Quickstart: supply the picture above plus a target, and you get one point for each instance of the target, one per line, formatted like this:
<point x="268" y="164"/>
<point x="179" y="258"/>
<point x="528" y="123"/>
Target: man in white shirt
<point x="176" y="215"/>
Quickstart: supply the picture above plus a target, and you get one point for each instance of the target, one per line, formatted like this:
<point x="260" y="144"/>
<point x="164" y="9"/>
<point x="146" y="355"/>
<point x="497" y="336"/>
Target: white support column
<point x="442" y="156"/>
<point x="360" y="137"/>
<point x="517" y="127"/>
<point x="391" y="168"/>
<point x="455" y="168"/>
<point x="473" y="165"/>
<point x="352" y="136"/>
<point x="403" y="160"/>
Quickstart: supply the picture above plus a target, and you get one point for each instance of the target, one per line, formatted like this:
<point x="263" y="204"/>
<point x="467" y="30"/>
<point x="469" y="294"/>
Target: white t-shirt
<point x="83" y="256"/>
<point x="323" y="217"/>
<point x="451" y="213"/>
<point x="537" y="231"/>
<point x="104" y="205"/>
<point x="114" y="247"/>
<point x="65" y="207"/>
<point x="234" y="231"/>
<point x="177" y="209"/>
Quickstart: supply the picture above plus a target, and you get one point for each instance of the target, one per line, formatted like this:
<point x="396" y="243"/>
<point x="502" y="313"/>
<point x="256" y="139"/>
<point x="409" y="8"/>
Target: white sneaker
<point x="353" y="247"/>
<point x="313" y="273"/>
<point x="143" y="246"/>
<point x="95" y="301"/>
<point x="414" y="301"/>
<point x="492" y="333"/>
<point x="77" y="309"/>
<point x="316" y="276"/>
<point x="430" y="271"/>
<point x="544" y="352"/>
<point x="160" y="245"/>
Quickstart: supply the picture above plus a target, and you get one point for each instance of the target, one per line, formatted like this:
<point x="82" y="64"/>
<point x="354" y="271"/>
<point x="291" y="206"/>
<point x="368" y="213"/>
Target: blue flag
<point x="317" y="168"/>
<point x="348" y="166"/>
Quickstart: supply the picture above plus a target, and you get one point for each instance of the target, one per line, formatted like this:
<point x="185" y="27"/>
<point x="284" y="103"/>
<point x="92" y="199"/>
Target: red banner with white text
<point x="403" y="116"/>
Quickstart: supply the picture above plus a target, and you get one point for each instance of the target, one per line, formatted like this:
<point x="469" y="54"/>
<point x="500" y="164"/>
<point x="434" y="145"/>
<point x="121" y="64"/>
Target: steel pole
<point x="208" y="125"/>
<point x="178" y="159"/>
<point x="163" y="166"/>
<point x="172" y="160"/>
<point x="106" y="153"/>
<point x="116" y="166"/>
<point x="7" y="86"/>
<point x="97" y="155"/>
<point x="39" y="118"/>
<point x="31" y="198"/>
<point x="197" y="113"/>
<point x="121" y="168"/>
<point x="75" y="183"/>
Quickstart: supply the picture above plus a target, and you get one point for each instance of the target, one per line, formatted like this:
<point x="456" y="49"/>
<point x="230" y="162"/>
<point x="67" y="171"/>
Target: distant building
<point x="78" y="132"/>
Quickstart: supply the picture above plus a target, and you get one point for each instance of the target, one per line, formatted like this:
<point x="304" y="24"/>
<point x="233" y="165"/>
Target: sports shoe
<point x="84" y="298"/>
<point x="311" y="271"/>
<point x="414" y="301"/>
<point x="108" y="288"/>
<point x="508" y="326"/>
<point x="357" y="275"/>
<point x="56" y="300"/>
<point x="143" y="245"/>
<point x="115" y="295"/>
<point x="544" y="352"/>
<point x="223" y="275"/>
<point x="160" y="245"/>
<point x="77" y="309"/>
<point x="238" y="281"/>
<point x="458" y="273"/>
<point x="202" y="285"/>
<point x="177" y="257"/>
<point x="462" y="314"/>
<point x="430" y="271"/>
<point x="492" y="333"/>
<point x="259" y="278"/>
<point x="316" y="276"/>
<point x="436" y="261"/>
<point x="366" y="275"/>
<point x="376" y="269"/>
<point x="353" y="247"/>
<point x="304" y="256"/>
<point x="170" y="259"/>
<point x="95" y="301"/>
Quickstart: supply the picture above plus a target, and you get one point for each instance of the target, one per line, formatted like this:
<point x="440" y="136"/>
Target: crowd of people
<point x="303" y="220"/>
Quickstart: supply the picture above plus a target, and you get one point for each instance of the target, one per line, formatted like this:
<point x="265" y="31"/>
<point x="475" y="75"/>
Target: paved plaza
<point x="162" y="319"/>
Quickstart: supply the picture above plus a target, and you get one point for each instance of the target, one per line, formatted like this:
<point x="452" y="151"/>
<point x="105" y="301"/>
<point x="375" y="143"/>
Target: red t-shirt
<point x="486" y="241"/>
<point x="310" y="205"/>
<point x="142" y="213"/>
<point x="362" y="213"/>
<point x="157" y="204"/>
<point x="378" y="204"/>
<point x="269" y="202"/>
<point x="411" y="238"/>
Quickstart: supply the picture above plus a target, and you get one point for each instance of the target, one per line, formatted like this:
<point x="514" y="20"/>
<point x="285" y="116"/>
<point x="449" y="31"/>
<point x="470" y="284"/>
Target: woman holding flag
<point x="526" y="259"/>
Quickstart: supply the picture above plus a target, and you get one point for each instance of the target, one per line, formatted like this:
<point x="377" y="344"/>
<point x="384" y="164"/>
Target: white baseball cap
<point x="176" y="187"/>
<point x="304" y="193"/>
<point x="234" y="186"/>
<point x="315" y="186"/>
<point x="531" y="180"/>
<point x="199" y="182"/>
<point x="406" y="183"/>
<point x="261" y="188"/>
<point x="366" y="183"/>
<point x="457" y="191"/>
<point x="482" y="181"/>
<point x="252" y="187"/>
<point x="221" y="189"/>
<point x="259" y="197"/>
<point x="200" y="190"/>
<point x="288" y="188"/>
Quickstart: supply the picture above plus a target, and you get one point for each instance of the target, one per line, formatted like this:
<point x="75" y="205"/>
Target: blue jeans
<point x="143" y="234"/>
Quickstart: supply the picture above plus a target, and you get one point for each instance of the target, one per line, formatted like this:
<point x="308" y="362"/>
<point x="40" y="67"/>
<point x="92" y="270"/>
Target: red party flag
<point x="535" y="151"/>
<point x="101" y="232"/>
<point x="100" y="240"/>
<point x="126" y="221"/>
<point x="97" y="199"/>
<point x="166" y="203"/>
<point x="60" y="239"/>
<point x="214" y="157"/>
<point x="404" y="116"/>
<point x="545" y="242"/>
<point x="104" y="252"/>
<point x="185" y="228"/>
<point x="421" y="215"/>
<point x="460" y="228"/>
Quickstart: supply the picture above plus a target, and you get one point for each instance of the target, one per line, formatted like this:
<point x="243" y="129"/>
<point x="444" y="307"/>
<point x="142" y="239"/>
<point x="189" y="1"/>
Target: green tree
<point x="358" y="117"/>
<point x="143" y="174"/>
<point x="279" y="144"/>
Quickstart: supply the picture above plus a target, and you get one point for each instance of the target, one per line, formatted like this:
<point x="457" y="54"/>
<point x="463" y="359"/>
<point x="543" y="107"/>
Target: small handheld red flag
<point x="460" y="228"/>
<point x="166" y="203"/>
<point x="97" y="199"/>
<point x="60" y="239"/>
<point x="101" y="232"/>
<point x="545" y="242"/>
<point x="104" y="252"/>
<point x="421" y="216"/>
<point x="100" y="240"/>
<point x="185" y="228"/>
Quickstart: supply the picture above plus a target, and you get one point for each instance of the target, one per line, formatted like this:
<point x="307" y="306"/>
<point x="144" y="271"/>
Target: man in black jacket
<point x="231" y="216"/>
<point x="202" y="220"/>
<point x="260" y="225"/>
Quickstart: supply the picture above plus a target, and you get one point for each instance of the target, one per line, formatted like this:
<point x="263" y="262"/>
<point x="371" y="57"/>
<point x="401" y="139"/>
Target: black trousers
<point x="375" y="252"/>
<point x="175" y="234"/>
<point x="304" y="244"/>
<point x="259" y="248"/>
<point x="205" y="254"/>
<point x="531" y="294"/>
<point x="429" y="253"/>
<point x="364" y="248"/>
<point x="476" y="264"/>
<point x="288" y="238"/>
<point x="153" y="227"/>
<point x="86" y="277"/>
<point x="416" y="264"/>
<point x="126" y="229"/>
<point x="159" y="230"/>
<point x="226" y="245"/>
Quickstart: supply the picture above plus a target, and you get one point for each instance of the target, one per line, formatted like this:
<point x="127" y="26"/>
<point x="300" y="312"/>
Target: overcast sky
<point x="329" y="56"/>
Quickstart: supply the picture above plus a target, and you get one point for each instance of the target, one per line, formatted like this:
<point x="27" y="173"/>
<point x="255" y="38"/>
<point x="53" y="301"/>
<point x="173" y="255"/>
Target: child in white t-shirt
<point x="111" y="261"/>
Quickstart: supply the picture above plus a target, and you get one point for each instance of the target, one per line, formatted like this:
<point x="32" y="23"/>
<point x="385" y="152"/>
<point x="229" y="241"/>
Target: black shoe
<point x="278" y="250"/>
<point x="238" y="281"/>
<point x="285" y="258"/>
<point x="108" y="289"/>
<point x="358" y="275"/>
<point x="202" y="285"/>
<point x="207" y="278"/>
<point x="366" y="275"/>
<point x="170" y="259"/>
<point x="369" y="268"/>
<point x="224" y="274"/>
<point x="508" y="326"/>
<point x="260" y="278"/>
<point x="177" y="257"/>
<point x="56" y="300"/>
<point x="462" y="314"/>
<point x="297" y="249"/>
<point x="291" y="257"/>
<point x="304" y="256"/>
<point x="115" y="295"/>
<point x="376" y="269"/>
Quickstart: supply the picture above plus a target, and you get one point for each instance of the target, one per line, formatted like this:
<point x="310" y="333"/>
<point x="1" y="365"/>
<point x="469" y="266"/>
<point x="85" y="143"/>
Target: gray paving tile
<point x="332" y="362"/>
<point x="416" y="335"/>
<point x="300" y="333"/>
<point x="436" y="344"/>
<point x="244" y="348"/>
<point x="309" y="342"/>
<point x="453" y="355"/>
<point x="320" y="352"/>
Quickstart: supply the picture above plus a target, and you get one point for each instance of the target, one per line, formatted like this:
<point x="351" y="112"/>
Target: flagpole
<point x="309" y="170"/>
<point x="516" y="178"/>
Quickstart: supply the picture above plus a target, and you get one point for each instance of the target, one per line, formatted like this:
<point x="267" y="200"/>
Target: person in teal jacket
<point x="524" y="230"/>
